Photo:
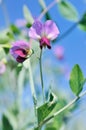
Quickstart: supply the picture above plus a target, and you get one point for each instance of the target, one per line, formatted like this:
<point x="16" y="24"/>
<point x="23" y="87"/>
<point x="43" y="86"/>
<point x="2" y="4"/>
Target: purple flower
<point x="20" y="51"/>
<point x="2" y="67"/>
<point x="44" y="32"/>
<point x="59" y="52"/>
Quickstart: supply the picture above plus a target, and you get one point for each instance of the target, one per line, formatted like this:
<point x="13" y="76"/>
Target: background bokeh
<point x="74" y="44"/>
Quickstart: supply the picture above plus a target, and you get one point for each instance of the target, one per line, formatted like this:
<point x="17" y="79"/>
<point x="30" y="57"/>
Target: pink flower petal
<point x="36" y="30"/>
<point x="20" y="50"/>
<point x="50" y="29"/>
<point x="33" y="34"/>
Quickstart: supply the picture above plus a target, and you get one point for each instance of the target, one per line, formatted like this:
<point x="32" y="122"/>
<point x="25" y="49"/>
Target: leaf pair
<point x="44" y="110"/>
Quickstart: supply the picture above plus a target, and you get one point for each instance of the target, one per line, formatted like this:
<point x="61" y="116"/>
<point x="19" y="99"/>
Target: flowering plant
<point x="33" y="68"/>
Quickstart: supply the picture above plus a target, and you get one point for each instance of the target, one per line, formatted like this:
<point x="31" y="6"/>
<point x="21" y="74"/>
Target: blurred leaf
<point x="47" y="16"/>
<point x="5" y="47"/>
<point x="67" y="10"/>
<point x="82" y="23"/>
<point x="3" y="37"/>
<point x="9" y="121"/>
<point x="2" y="53"/>
<point x="35" y="56"/>
<point x="77" y="80"/>
<point x="42" y="3"/>
<point x="14" y="29"/>
<point x="50" y="127"/>
<point x="10" y="35"/>
<point x="44" y="110"/>
<point x="28" y="25"/>
<point x="37" y="128"/>
<point x="28" y="15"/>
<point x="6" y="124"/>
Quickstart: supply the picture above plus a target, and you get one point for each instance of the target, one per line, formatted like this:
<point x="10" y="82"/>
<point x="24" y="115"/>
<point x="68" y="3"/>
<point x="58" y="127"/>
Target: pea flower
<point x="20" y="51"/>
<point x="59" y="52"/>
<point x="44" y="33"/>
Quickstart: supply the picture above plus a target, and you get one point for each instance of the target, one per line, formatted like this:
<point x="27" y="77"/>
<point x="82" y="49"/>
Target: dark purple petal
<point x="45" y="42"/>
<point x="50" y="29"/>
<point x="20" y="59"/>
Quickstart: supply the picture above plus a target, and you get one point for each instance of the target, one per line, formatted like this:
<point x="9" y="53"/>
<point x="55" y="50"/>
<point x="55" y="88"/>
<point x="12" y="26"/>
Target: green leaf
<point x="68" y="11"/>
<point x="6" y="47"/>
<point x="2" y="53"/>
<point x="28" y="25"/>
<point x="77" y="80"/>
<point x="44" y="110"/>
<point x="14" y="29"/>
<point x="28" y="15"/>
<point x="9" y="121"/>
<point x="37" y="128"/>
<point x="10" y="35"/>
<point x="42" y="3"/>
<point x="47" y="16"/>
<point x="3" y="37"/>
<point x="6" y="124"/>
<point x="82" y="23"/>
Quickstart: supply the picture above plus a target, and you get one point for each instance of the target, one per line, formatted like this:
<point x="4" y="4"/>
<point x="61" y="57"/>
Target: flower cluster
<point x="44" y="33"/>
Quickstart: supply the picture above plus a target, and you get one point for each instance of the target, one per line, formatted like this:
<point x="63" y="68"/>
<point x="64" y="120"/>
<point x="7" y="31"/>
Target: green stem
<point x="61" y="110"/>
<point x="32" y="86"/>
<point x="41" y="75"/>
<point x="27" y="65"/>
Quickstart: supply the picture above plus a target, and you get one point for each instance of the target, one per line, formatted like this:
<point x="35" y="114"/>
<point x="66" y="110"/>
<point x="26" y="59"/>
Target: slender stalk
<point x="61" y="110"/>
<point x="47" y="8"/>
<point x="27" y="65"/>
<point x="41" y="75"/>
<point x="32" y="85"/>
<point x="33" y="91"/>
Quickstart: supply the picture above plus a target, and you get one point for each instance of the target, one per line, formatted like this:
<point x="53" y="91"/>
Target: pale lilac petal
<point x="33" y="34"/>
<point x="36" y="30"/>
<point x="50" y="29"/>
<point x="2" y="67"/>
<point x="59" y="52"/>
<point x="21" y="44"/>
